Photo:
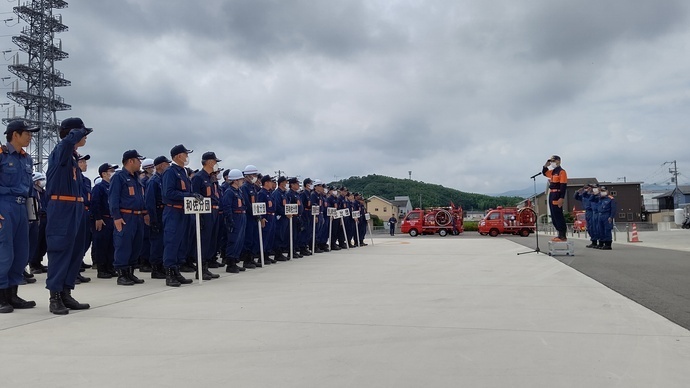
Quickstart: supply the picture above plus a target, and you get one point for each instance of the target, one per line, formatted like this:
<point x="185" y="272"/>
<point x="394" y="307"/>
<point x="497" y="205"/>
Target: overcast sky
<point x="473" y="95"/>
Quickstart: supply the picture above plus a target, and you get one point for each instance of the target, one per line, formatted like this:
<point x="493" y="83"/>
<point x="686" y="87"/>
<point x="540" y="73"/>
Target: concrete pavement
<point x="407" y="312"/>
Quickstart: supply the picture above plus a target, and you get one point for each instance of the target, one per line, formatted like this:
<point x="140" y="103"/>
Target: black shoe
<point x="280" y="257"/>
<point x="171" y="278"/>
<point x="145" y="267"/>
<point x="36" y="270"/>
<point x="85" y="266"/>
<point x="83" y="279"/>
<point x="213" y="264"/>
<point x="104" y="275"/>
<point x="123" y="279"/>
<point x="249" y="264"/>
<point x="232" y="268"/>
<point x="16" y="301"/>
<point x="28" y="275"/>
<point x="131" y="276"/>
<point x="305" y="252"/>
<point x="590" y="245"/>
<point x="157" y="271"/>
<point x="71" y="303"/>
<point x="271" y="260"/>
<point x="181" y="278"/>
<point x="57" y="306"/>
<point x="187" y="268"/>
<point x="29" y="280"/>
<point x="335" y="248"/>
<point x="5" y="305"/>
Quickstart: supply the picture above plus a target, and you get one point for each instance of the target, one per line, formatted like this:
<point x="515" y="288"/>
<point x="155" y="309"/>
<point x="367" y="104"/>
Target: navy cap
<point x="210" y="156"/>
<point x="265" y="179"/>
<point x="130" y="155"/>
<point x="293" y="181"/>
<point x="179" y="149"/>
<point x="72" y="123"/>
<point x="84" y="157"/>
<point x="307" y="181"/>
<point x="105" y="167"/>
<point x="161" y="159"/>
<point x="225" y="173"/>
<point x="20" y="125"/>
<point x="281" y="179"/>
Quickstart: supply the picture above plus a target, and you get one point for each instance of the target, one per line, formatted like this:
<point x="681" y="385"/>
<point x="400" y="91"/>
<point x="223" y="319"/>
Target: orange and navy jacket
<point x="558" y="181"/>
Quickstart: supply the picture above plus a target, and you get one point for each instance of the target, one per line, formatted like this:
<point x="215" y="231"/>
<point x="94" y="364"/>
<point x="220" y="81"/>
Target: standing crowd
<point x="134" y="218"/>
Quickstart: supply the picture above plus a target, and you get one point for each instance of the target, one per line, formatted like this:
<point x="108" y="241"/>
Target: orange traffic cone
<point x="634" y="234"/>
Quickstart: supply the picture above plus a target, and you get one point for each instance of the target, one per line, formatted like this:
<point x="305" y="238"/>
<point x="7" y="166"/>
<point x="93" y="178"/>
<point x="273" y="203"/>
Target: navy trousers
<point x="129" y="241"/>
<point x="65" y="239"/>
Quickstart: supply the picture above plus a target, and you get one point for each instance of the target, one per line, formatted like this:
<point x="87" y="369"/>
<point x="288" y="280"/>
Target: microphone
<point x="535" y="175"/>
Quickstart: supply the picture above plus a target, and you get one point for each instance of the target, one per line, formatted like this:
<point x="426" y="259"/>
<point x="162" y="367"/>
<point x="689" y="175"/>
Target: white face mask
<point x="253" y="179"/>
<point x="603" y="193"/>
<point x="42" y="184"/>
<point x="595" y="191"/>
<point x="308" y="187"/>
<point x="553" y="165"/>
<point x="186" y="161"/>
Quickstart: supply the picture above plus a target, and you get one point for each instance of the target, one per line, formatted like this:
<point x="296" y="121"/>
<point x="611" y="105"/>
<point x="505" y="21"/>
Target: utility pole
<point x="673" y="171"/>
<point x="624" y="179"/>
<point x="410" y="174"/>
<point x="278" y="173"/>
<point x="38" y="97"/>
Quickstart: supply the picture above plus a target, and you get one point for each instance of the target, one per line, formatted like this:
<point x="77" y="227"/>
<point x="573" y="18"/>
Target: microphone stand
<point x="536" y="219"/>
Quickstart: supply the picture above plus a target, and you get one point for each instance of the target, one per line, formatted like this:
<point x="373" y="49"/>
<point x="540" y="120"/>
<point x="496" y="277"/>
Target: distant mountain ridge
<point x="432" y="195"/>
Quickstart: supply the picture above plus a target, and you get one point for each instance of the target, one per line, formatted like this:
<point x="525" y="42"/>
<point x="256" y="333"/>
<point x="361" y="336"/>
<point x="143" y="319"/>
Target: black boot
<point x="181" y="278"/>
<point x="601" y="245"/>
<point x="280" y="257"/>
<point x="123" y="278"/>
<point x="131" y="276"/>
<point x="18" y="302"/>
<point x="104" y="273"/>
<point x="232" y="268"/>
<point x="206" y="271"/>
<point x="249" y="263"/>
<point x="83" y="279"/>
<point x="5" y="305"/>
<point x="72" y="303"/>
<point x="56" y="305"/>
<point x="592" y="244"/>
<point x="607" y="246"/>
<point x="171" y="277"/>
<point x="157" y="271"/>
<point x="204" y="275"/>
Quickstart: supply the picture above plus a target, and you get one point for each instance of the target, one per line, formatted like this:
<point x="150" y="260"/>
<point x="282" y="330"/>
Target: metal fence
<point x="617" y="228"/>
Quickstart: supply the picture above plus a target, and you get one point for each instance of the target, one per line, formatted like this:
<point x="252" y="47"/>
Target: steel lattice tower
<point x="38" y="97"/>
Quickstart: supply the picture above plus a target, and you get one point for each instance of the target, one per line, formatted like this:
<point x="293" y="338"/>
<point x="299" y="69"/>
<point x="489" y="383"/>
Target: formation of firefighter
<point x="134" y="217"/>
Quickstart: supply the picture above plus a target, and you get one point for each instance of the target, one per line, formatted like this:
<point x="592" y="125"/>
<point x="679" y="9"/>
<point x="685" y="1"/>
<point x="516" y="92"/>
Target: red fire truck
<point x="580" y="223"/>
<point x="508" y="220"/>
<point x="442" y="220"/>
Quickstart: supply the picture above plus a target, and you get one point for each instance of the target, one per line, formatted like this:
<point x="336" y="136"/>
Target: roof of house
<point x="380" y="199"/>
<point x="399" y="202"/>
<point x="683" y="190"/>
<point x="581" y="181"/>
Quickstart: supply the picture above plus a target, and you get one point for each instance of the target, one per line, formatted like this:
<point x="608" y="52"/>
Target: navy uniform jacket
<point x="293" y="197"/>
<point x="315" y="199"/>
<point x="64" y="176"/>
<point x="99" y="201"/>
<point x="332" y="201"/>
<point x="305" y="199"/>
<point x="585" y="198"/>
<point x="175" y="185"/>
<point x="607" y="208"/>
<point x="279" y="200"/>
<point x="233" y="202"/>
<point x="154" y="199"/>
<point x="264" y="196"/>
<point x="202" y="184"/>
<point x="249" y="193"/>
<point x="126" y="192"/>
<point x="16" y="167"/>
<point x="86" y="193"/>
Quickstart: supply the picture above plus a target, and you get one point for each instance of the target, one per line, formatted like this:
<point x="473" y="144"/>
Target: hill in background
<point x="431" y="195"/>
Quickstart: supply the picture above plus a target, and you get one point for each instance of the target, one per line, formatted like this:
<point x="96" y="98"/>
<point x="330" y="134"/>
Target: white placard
<point x="259" y="208"/>
<point x="331" y="211"/>
<point x="355" y="214"/>
<point x="315" y="210"/>
<point x="367" y="216"/>
<point x="291" y="209"/>
<point x="193" y="206"/>
<point x="346" y="212"/>
<point x="340" y="213"/>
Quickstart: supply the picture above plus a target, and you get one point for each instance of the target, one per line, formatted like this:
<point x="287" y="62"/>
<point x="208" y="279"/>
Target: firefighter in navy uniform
<point x="87" y="227"/>
<point x="103" y="249"/>
<point x="155" y="206"/>
<point x="202" y="184"/>
<point x="585" y="195"/>
<point x="128" y="209"/>
<point x="15" y="187"/>
<point x="558" y="183"/>
<point x="362" y="219"/>
<point x="305" y="218"/>
<point x="318" y="200"/>
<point x="292" y="197"/>
<point x="175" y="187"/>
<point x="332" y="201"/>
<point x="268" y="219"/>
<point x="251" y="235"/>
<point x="280" y="240"/>
<point x="38" y="251"/>
<point x="144" y="261"/>
<point x="607" y="213"/>
<point x="234" y="211"/>
<point x="65" y="212"/>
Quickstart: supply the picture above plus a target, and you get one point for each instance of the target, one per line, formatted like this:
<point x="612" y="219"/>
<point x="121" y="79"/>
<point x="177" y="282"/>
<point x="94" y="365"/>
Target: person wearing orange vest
<point x="558" y="183"/>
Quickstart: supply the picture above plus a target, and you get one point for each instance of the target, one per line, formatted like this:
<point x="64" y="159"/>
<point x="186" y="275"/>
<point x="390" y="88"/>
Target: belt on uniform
<point x="11" y="198"/>
<point x="554" y="190"/>
<point x="175" y="206"/>
<point x="270" y="213"/>
<point x="66" y="198"/>
<point x="215" y="207"/>
<point x="135" y="212"/>
<point x="307" y="208"/>
<point x="106" y="216"/>
<point x="160" y="207"/>
<point x="239" y="211"/>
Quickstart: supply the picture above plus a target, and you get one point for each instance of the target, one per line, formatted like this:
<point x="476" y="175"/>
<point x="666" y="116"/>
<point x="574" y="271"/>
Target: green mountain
<point x="431" y="195"/>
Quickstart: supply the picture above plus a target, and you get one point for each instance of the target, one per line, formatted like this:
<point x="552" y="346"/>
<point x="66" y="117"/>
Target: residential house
<point x="382" y="208"/>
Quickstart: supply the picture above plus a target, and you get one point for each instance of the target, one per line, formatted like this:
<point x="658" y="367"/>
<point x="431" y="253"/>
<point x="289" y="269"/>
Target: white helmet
<point x="37" y="176"/>
<point x="235" y="174"/>
<point x="250" y="169"/>
<point x="97" y="181"/>
<point x="147" y="163"/>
